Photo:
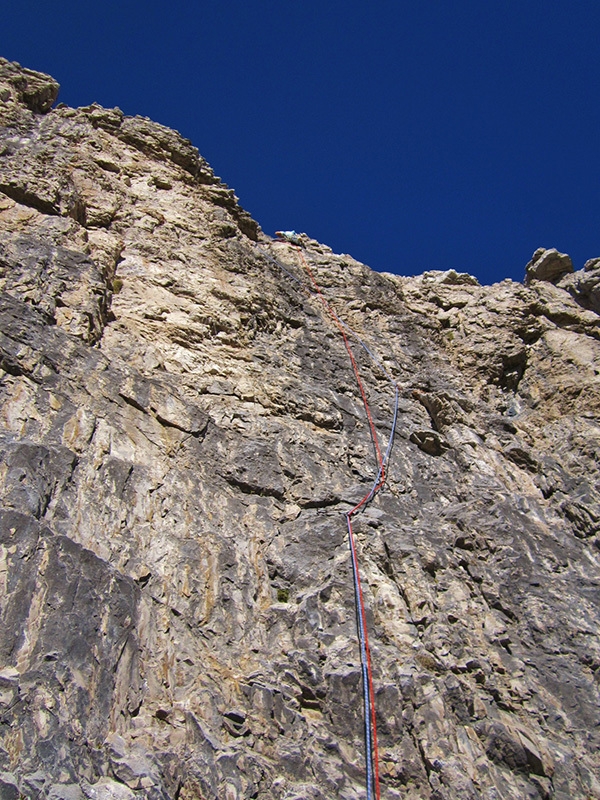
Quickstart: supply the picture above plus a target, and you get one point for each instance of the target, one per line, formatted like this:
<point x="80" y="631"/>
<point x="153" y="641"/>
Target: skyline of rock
<point x="182" y="435"/>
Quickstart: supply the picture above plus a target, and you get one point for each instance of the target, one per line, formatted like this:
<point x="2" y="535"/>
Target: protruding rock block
<point x="548" y="265"/>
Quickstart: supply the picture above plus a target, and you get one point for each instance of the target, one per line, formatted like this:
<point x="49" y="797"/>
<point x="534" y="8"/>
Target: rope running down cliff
<point x="371" y="748"/>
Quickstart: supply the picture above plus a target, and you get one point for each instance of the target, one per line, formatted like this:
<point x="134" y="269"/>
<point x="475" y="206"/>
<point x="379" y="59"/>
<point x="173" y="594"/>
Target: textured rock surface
<point x="181" y="435"/>
<point x="548" y="265"/>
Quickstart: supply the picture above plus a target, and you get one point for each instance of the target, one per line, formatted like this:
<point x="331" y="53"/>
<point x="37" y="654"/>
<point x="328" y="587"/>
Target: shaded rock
<point x="9" y="789"/>
<point x="34" y="90"/>
<point x="64" y="284"/>
<point x="429" y="442"/>
<point x="584" y="285"/>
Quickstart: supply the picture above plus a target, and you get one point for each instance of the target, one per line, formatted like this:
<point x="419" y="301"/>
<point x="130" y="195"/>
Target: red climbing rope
<point x="334" y="316"/>
<point x="372" y="755"/>
<point x="371" y="747"/>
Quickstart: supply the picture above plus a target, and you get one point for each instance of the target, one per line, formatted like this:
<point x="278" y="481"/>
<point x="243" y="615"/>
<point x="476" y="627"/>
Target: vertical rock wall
<point x="181" y="435"/>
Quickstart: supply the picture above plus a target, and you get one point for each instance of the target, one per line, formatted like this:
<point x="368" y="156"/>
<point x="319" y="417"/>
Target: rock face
<point x="548" y="265"/>
<point x="181" y="436"/>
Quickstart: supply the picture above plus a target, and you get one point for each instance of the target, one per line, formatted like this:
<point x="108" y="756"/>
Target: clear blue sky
<point x="412" y="135"/>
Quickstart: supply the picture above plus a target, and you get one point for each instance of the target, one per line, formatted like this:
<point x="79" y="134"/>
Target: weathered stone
<point x="34" y="90"/>
<point x="9" y="789"/>
<point x="584" y="285"/>
<point x="182" y="435"/>
<point x="429" y="442"/>
<point x="108" y="789"/>
<point x="548" y="265"/>
<point x="65" y="791"/>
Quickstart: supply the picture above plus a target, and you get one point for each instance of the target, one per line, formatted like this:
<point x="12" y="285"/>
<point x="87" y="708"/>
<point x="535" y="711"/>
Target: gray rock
<point x="9" y="788"/>
<point x="108" y="789"/>
<point x="65" y="791"/>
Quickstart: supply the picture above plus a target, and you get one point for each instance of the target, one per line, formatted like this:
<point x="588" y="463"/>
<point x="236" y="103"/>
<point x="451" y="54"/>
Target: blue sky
<point x="412" y="135"/>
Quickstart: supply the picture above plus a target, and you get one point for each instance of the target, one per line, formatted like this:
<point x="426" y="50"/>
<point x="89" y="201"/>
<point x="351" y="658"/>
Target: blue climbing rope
<point x="371" y="749"/>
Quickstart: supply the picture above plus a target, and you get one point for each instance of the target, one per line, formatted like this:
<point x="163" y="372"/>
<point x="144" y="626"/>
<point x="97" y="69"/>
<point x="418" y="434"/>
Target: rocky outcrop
<point x="182" y="435"/>
<point x="548" y="265"/>
<point x="584" y="285"/>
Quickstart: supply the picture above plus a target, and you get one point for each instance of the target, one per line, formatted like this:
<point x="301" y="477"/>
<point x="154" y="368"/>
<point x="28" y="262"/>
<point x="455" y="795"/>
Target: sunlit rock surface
<point x="181" y="435"/>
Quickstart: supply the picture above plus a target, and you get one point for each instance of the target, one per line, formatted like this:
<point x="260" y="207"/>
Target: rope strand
<point x="370" y="722"/>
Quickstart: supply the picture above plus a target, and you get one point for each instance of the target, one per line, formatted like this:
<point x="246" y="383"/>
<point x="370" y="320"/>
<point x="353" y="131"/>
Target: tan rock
<point x="182" y="436"/>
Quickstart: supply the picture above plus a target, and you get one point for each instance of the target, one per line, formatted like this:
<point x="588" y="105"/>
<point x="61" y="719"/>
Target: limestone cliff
<point x="181" y="436"/>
